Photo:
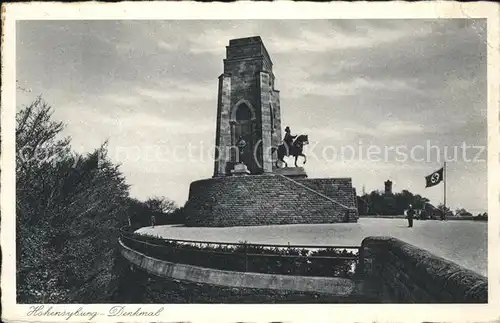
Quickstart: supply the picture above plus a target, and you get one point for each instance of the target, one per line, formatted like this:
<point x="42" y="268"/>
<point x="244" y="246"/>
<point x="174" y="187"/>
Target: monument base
<point x="270" y="199"/>
<point x="240" y="170"/>
<point x="292" y="172"/>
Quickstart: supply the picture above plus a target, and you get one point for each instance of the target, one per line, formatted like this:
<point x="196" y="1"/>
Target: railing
<point x="303" y="260"/>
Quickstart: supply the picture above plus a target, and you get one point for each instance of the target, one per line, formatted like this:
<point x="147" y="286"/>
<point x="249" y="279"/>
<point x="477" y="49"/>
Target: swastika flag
<point x="434" y="178"/>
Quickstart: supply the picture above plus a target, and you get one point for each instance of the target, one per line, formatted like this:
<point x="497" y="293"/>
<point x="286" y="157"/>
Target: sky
<point x="379" y="99"/>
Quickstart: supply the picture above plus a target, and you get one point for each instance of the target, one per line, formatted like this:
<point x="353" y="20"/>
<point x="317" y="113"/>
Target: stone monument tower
<point x="248" y="130"/>
<point x="388" y="187"/>
<point x="248" y="110"/>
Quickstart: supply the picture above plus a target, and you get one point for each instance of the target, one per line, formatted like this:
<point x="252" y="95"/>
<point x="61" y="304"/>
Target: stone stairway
<point x="318" y="193"/>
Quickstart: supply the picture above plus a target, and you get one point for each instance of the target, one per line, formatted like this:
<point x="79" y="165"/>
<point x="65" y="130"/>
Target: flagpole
<point x="444" y="187"/>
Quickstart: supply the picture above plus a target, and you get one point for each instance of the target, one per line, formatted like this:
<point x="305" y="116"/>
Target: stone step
<point x="292" y="172"/>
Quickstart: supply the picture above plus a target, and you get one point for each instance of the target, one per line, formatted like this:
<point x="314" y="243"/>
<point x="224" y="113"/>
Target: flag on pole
<point x="434" y="178"/>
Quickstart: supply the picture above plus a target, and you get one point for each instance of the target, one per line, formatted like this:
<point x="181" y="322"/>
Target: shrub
<point x="69" y="208"/>
<point x="481" y="217"/>
<point x="247" y="257"/>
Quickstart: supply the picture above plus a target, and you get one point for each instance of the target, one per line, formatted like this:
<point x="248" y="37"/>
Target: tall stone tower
<point x="248" y="109"/>
<point x="388" y="187"/>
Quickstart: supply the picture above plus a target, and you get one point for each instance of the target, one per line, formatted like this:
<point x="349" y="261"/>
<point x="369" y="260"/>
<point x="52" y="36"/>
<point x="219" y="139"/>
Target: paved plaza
<point x="463" y="242"/>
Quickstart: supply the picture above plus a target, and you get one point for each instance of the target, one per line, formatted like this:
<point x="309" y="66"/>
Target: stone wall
<point x="249" y="47"/>
<point x="339" y="189"/>
<point x="402" y="273"/>
<point x="342" y="287"/>
<point x="266" y="200"/>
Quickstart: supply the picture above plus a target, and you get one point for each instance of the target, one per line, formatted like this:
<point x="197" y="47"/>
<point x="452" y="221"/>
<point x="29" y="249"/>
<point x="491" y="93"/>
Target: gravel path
<point x="463" y="242"/>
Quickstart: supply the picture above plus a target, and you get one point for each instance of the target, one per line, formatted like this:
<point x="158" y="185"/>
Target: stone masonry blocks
<point x="261" y="200"/>
<point x="265" y="102"/>
<point x="223" y="138"/>
<point x="248" y="68"/>
<point x="404" y="273"/>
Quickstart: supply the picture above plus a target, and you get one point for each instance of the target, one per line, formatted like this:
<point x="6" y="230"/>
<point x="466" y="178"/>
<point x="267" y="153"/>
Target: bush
<point x="261" y="259"/>
<point x="481" y="217"/>
<point x="69" y="209"/>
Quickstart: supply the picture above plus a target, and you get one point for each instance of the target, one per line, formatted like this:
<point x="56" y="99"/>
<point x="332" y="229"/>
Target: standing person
<point x="409" y="214"/>
<point x="442" y="214"/>
<point x="153" y="221"/>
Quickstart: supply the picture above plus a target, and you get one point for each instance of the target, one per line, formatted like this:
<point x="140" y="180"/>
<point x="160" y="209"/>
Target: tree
<point x="481" y="217"/>
<point x="462" y="212"/>
<point x="160" y="204"/>
<point x="445" y="210"/>
<point x="419" y="202"/>
<point x="377" y="203"/>
<point x="178" y="216"/>
<point x="138" y="212"/>
<point x="69" y="209"/>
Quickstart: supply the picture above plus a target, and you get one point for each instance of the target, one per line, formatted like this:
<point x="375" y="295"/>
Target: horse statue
<point x="295" y="150"/>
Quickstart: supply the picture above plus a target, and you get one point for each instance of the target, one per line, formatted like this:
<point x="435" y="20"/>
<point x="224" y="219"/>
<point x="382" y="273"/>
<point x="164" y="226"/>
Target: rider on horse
<point x="288" y="140"/>
<point x="291" y="146"/>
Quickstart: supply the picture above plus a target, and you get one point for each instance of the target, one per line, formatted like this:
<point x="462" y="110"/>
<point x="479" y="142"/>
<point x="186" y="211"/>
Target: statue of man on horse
<point x="288" y="140"/>
<point x="292" y="146"/>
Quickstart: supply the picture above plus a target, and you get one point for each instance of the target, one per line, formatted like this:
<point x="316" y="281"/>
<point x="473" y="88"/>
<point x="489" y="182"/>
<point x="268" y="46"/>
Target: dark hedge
<point x="260" y="259"/>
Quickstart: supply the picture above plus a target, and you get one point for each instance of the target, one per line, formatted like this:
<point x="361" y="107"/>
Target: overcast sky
<point x="149" y="86"/>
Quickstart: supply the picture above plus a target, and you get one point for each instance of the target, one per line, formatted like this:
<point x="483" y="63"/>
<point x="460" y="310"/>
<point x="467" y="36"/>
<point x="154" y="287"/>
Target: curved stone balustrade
<point x="341" y="287"/>
<point x="403" y="273"/>
<point x="390" y="271"/>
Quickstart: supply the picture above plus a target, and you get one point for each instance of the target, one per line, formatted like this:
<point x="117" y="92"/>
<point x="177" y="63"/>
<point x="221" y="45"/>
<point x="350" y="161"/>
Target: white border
<point x="246" y="10"/>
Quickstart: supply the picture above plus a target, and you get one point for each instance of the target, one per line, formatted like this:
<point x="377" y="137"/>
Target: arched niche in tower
<point x="242" y="110"/>
<point x="242" y="121"/>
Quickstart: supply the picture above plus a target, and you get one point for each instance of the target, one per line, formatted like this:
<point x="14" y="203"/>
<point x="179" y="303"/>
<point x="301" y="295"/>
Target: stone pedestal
<point x="240" y="169"/>
<point x="292" y="172"/>
<point x="268" y="199"/>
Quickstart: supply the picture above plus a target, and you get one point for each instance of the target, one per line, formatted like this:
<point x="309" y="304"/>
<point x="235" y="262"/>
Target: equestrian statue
<point x="291" y="146"/>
